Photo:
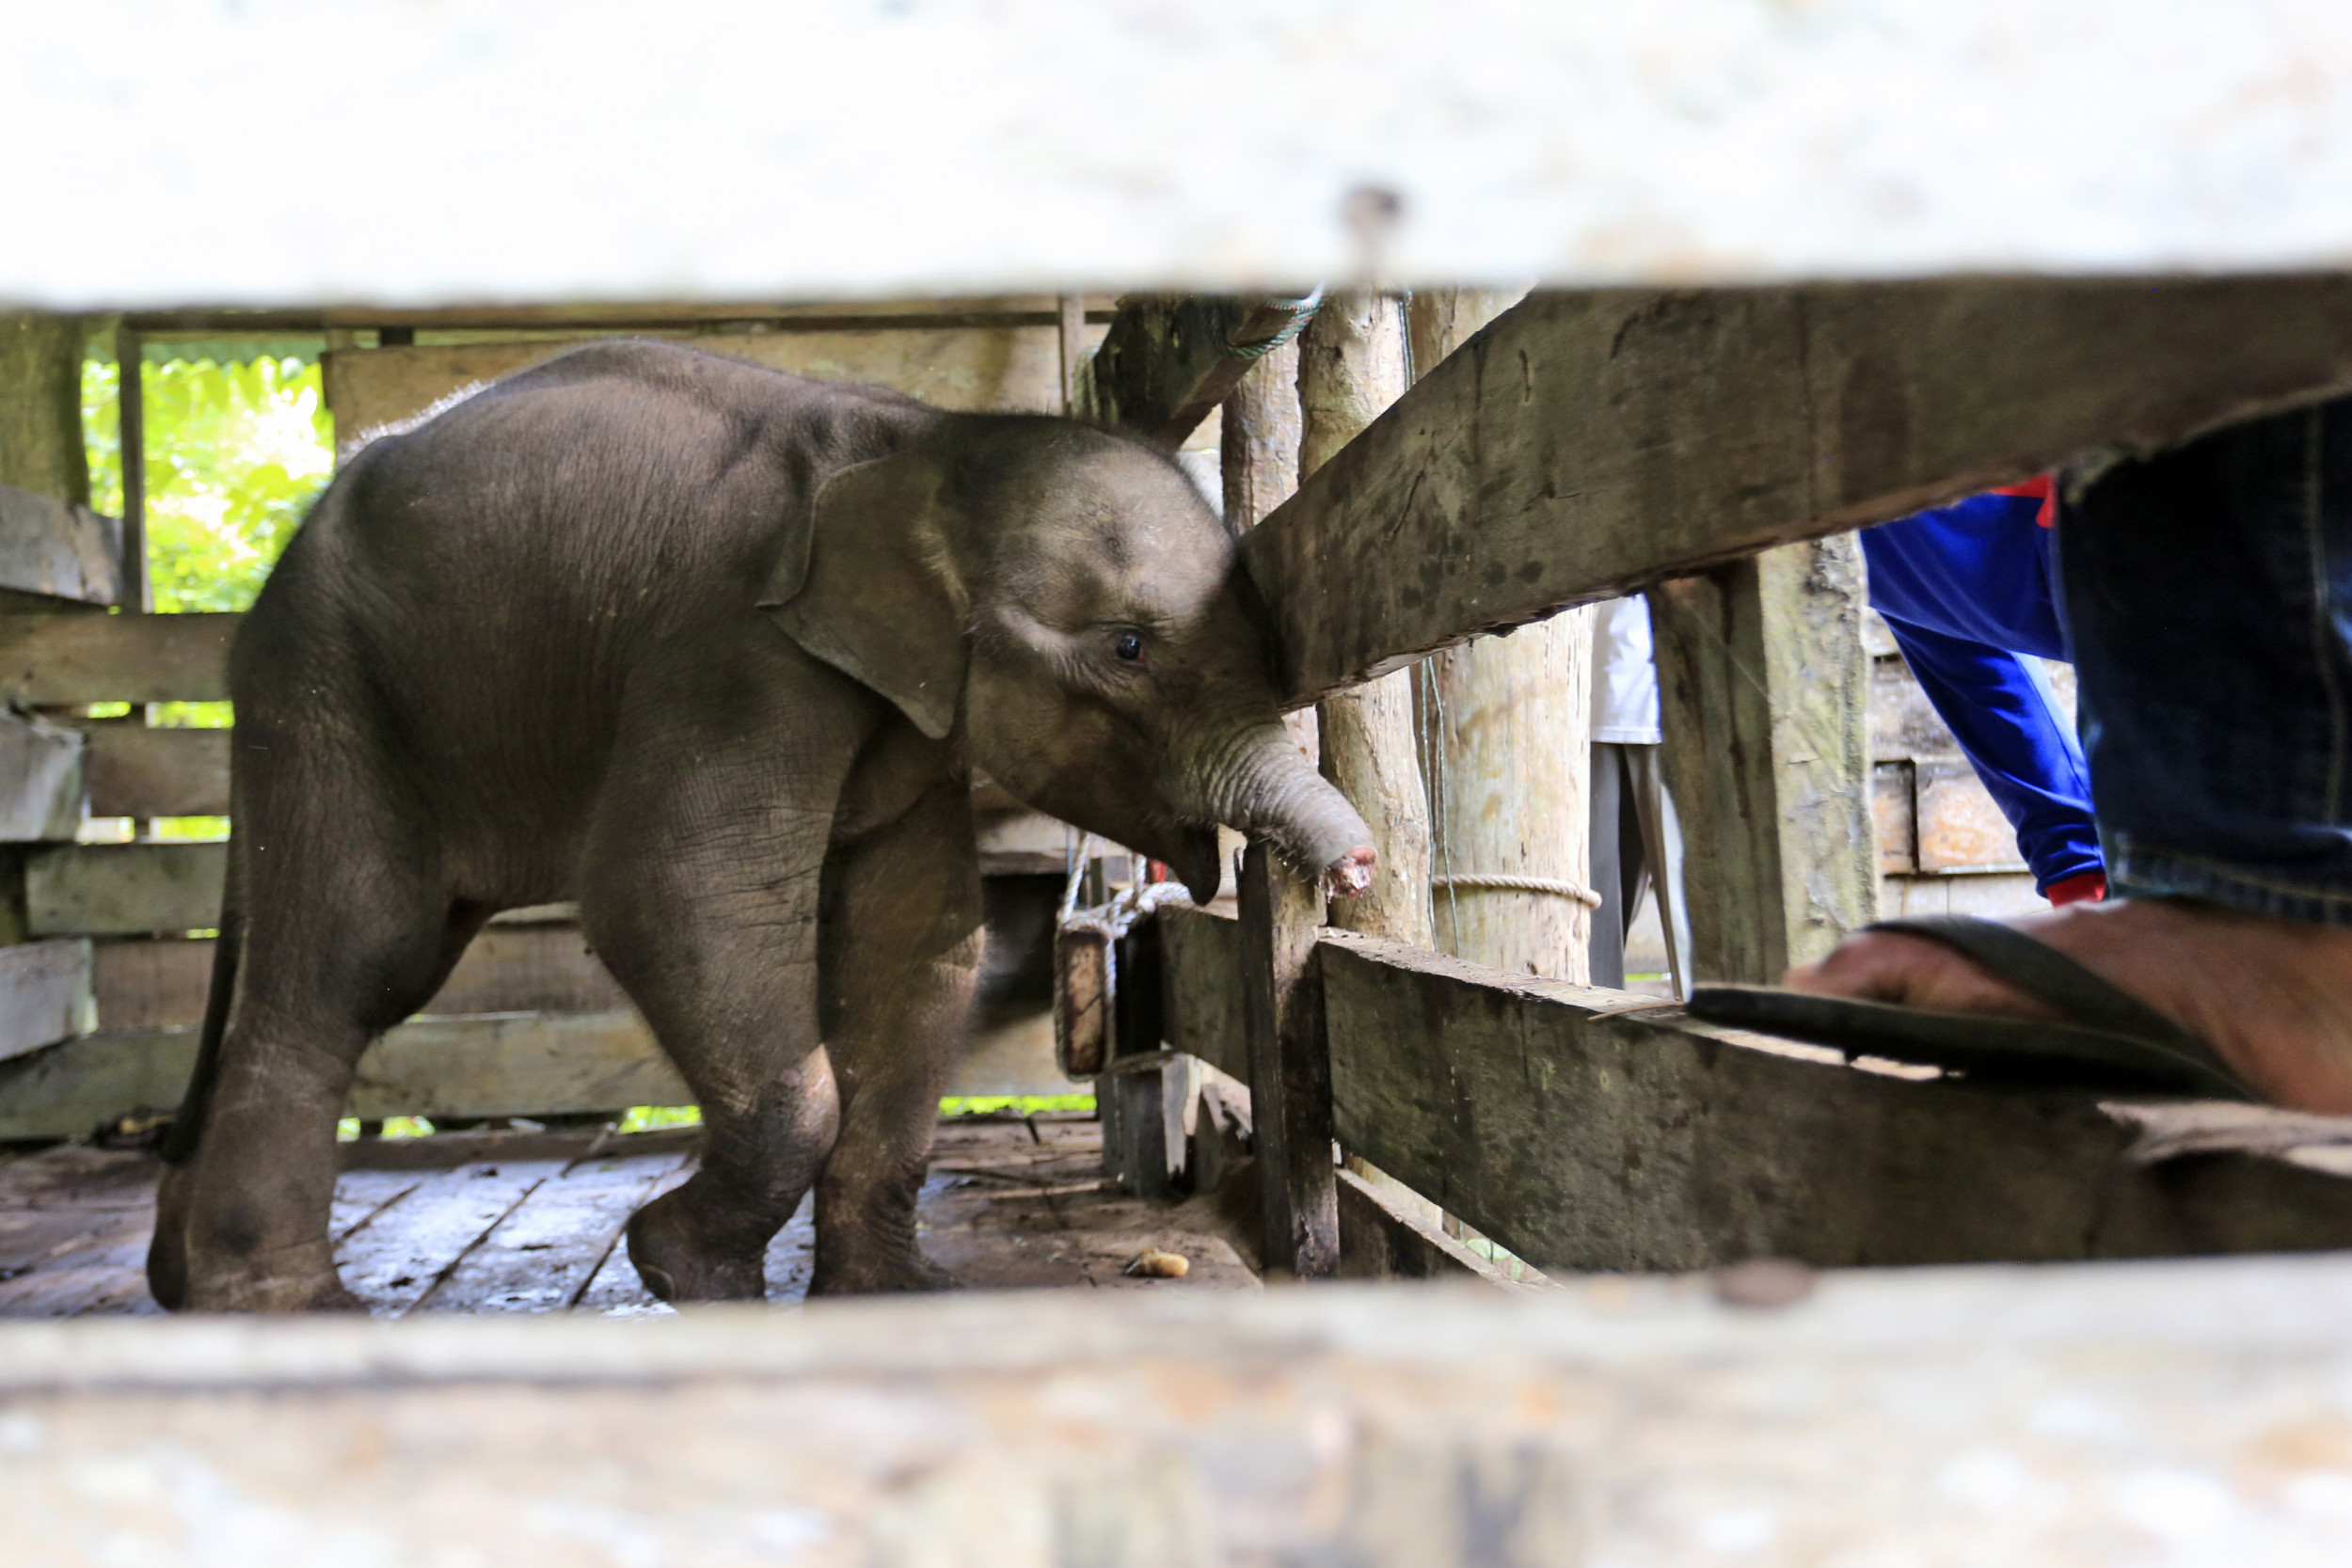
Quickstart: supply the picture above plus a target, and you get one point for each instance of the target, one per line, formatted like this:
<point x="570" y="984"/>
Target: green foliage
<point x="235" y="454"/>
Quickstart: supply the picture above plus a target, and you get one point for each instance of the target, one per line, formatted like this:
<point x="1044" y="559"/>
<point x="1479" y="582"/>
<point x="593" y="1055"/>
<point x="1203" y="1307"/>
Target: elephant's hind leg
<point x="343" y="933"/>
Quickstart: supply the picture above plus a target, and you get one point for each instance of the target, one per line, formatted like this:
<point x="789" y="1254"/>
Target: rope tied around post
<point x="1497" y="882"/>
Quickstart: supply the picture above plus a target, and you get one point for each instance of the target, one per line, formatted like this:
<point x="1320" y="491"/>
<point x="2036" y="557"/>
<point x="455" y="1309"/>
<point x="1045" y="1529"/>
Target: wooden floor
<point x="531" y="1222"/>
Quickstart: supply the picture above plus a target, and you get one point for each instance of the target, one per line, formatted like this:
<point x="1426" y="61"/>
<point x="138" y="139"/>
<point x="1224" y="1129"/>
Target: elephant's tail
<point x="187" y="1127"/>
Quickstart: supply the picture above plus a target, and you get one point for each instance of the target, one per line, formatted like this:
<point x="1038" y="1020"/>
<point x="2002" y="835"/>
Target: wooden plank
<point x="1584" y="1140"/>
<point x="1583" y="445"/>
<point x="1168" y="359"/>
<point x="1381" y="1237"/>
<point x="1201" y="997"/>
<point x="516" y="1065"/>
<point x="51" y="659"/>
<point x="1961" y="828"/>
<point x="52" y="547"/>
<point x="543" y="1253"/>
<point x="46" y="995"/>
<point x="1763" y="702"/>
<point x="1903" y="723"/>
<point x="162" y="984"/>
<point x="405" y="1251"/>
<point x="1002" y="368"/>
<point x="42" y="766"/>
<point x="1875" y="1418"/>
<point x="133" y="770"/>
<point x="1290" y="1070"/>
<point x="112" y="890"/>
<point x="1894" y="818"/>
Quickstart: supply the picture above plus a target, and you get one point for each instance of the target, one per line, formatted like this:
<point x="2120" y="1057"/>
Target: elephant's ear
<point x="872" y="590"/>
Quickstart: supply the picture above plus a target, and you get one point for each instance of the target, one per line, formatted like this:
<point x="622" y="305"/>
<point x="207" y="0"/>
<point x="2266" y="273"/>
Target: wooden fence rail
<point x="1587" y="1128"/>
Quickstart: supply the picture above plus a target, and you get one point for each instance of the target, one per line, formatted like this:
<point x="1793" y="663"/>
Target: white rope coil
<point x="1499" y="884"/>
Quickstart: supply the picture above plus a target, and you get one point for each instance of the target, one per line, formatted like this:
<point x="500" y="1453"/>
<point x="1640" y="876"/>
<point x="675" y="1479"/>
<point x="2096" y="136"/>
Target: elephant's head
<point x="1069" y="596"/>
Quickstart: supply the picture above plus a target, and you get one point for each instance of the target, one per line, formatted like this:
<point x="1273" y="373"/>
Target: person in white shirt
<point x="1636" y="844"/>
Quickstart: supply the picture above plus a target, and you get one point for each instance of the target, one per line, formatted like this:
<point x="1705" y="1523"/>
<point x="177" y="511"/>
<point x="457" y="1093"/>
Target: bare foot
<point x="2274" y="997"/>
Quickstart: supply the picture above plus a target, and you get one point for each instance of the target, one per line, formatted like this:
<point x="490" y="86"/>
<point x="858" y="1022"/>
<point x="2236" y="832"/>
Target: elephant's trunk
<point x="1264" y="785"/>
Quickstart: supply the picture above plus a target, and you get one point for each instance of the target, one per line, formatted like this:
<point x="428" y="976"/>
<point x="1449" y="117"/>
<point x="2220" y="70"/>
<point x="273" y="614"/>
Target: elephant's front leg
<point x="903" y="935"/>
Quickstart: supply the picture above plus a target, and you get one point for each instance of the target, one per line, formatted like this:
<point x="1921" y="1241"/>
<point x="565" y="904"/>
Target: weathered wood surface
<point x="55" y="549"/>
<point x="1168" y="359"/>
<point x="1583" y="445"/>
<point x="524" y="1222"/>
<point x="1505" y="726"/>
<point x="115" y="658"/>
<point x="41" y="406"/>
<point x="1642" y="1140"/>
<point x="1387" y="1234"/>
<point x="1351" y="365"/>
<point x="506" y="969"/>
<point x="499" y="1064"/>
<point x="46" y="995"/>
<point x="657" y="314"/>
<point x="1941" y="1417"/>
<point x="1764" y="705"/>
<point x="1008" y="368"/>
<point x="1290" y="1072"/>
<point x="43" y="767"/>
<point x="106" y="889"/>
<point x="450" y="1065"/>
<point x="1200" y="993"/>
<point x="132" y="771"/>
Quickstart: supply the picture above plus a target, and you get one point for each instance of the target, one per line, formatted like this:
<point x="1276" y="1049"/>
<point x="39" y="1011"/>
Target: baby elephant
<point x="712" y="650"/>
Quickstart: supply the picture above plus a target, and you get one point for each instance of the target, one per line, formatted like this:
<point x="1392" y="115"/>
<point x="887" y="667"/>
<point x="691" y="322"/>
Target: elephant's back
<point x="474" y="593"/>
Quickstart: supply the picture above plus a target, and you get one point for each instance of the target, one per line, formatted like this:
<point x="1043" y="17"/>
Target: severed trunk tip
<point x="1350" y="874"/>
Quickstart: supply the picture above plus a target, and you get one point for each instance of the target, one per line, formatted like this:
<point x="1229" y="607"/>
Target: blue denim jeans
<point x="2209" y="591"/>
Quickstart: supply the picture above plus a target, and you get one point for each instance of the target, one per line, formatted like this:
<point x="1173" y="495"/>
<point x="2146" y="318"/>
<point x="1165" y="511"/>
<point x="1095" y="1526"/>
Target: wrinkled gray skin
<point x="712" y="650"/>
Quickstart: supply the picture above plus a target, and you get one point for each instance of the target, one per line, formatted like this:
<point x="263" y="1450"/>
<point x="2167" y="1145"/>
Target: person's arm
<point x="2001" y="712"/>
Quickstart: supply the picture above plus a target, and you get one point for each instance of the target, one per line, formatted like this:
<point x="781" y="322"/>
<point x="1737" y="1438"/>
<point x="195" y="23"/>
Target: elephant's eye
<point x="1127" y="644"/>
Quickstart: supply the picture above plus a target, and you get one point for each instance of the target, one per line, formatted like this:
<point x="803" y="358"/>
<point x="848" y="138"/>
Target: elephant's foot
<point x="679" y="1263"/>
<point x="246" y="1289"/>
<point x="871" y="1271"/>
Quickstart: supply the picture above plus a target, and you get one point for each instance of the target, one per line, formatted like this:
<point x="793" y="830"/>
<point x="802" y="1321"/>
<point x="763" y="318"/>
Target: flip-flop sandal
<point x="2109" y="1041"/>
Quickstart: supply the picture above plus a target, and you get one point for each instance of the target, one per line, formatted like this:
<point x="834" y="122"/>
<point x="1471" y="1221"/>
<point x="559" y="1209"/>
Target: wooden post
<point x="1073" y="348"/>
<point x="130" y="394"/>
<point x="1764" y="691"/>
<point x="40" y="407"/>
<point x="1351" y="365"/>
<point x="1506" y="723"/>
<point x="1290" y="1072"/>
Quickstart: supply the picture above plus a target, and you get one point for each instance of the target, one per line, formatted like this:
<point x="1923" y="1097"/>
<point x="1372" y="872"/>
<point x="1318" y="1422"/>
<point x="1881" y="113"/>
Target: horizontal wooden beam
<point x="966" y="367"/>
<point x="512" y="1065"/>
<point x="43" y="767"/>
<point x="988" y="310"/>
<point x="480" y="1065"/>
<point x="117" y="890"/>
<point x="115" y="658"/>
<point x="58" y="550"/>
<point x="136" y="771"/>
<point x="46" y="995"/>
<point x="1168" y="359"/>
<point x="506" y="969"/>
<point x="1201" y="1000"/>
<point x="1586" y="1137"/>
<point x="1919" y="1415"/>
<point x="1585" y="444"/>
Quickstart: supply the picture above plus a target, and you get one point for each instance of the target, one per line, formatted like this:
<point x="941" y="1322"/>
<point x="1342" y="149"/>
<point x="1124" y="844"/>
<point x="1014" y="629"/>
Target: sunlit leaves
<point x="235" y="454"/>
